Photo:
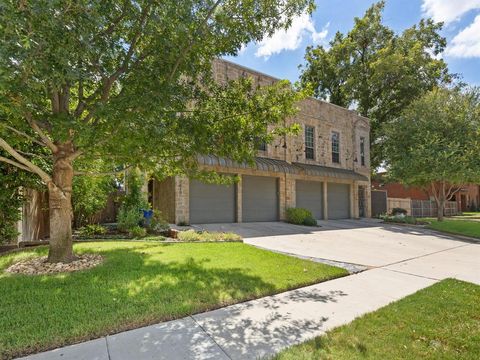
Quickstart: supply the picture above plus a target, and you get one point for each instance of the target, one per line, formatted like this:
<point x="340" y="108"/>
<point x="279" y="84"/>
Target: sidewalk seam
<point x="205" y="331"/>
<point x="407" y="273"/>
<point x="108" y="349"/>
<point x="424" y="255"/>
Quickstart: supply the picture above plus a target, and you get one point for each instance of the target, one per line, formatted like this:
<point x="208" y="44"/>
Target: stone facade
<point x="325" y="118"/>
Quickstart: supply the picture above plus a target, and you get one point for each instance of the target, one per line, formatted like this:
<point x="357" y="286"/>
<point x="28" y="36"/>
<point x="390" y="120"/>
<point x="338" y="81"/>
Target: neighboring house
<point x="398" y="195"/>
<point x="326" y="169"/>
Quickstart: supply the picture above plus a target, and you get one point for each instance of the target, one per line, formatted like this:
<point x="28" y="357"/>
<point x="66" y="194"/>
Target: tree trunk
<point x="60" y="206"/>
<point x="441" y="202"/>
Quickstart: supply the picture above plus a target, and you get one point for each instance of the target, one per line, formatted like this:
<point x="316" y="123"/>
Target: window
<point x="262" y="146"/>
<point x="336" y="147"/>
<point x="362" y="151"/>
<point x="309" y="142"/>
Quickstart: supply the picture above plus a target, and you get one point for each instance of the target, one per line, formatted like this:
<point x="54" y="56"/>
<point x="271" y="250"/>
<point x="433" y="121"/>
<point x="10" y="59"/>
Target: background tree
<point x="376" y="70"/>
<point x="435" y="142"/>
<point x="131" y="82"/>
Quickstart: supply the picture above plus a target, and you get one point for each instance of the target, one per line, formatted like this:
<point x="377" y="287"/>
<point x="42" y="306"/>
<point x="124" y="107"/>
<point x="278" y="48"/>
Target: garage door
<point x="309" y="195"/>
<point x="211" y="203"/>
<point x="259" y="198"/>
<point x="338" y="201"/>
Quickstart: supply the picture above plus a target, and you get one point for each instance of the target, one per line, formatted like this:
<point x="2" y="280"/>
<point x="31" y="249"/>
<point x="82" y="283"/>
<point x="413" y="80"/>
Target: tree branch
<point x="18" y="132"/>
<point x="32" y="167"/>
<point x="40" y="133"/>
<point x="14" y="163"/>
<point x="87" y="173"/>
<point x="189" y="46"/>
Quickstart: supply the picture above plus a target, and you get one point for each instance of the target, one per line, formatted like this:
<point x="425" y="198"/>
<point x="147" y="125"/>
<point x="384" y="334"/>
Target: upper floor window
<point x="362" y="151"/>
<point x="262" y="146"/>
<point x="335" y="147"/>
<point x="309" y="142"/>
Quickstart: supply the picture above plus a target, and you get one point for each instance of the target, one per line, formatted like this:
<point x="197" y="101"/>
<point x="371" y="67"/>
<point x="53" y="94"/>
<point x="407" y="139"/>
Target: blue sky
<point x="281" y="54"/>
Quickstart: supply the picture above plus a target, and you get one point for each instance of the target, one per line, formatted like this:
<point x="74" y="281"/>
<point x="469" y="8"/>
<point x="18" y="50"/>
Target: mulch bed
<point x="40" y="266"/>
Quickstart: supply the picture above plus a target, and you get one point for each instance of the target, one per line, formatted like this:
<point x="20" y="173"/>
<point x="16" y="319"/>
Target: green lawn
<point x="461" y="227"/>
<point x="139" y="283"/>
<point x="440" y="322"/>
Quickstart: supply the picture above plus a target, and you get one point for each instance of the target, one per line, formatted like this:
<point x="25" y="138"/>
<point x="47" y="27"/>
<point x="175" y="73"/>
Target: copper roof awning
<point x="281" y="166"/>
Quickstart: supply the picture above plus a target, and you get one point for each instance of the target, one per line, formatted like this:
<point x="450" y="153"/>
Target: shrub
<point x="300" y="216"/>
<point x="128" y="218"/>
<point x="192" y="235"/>
<point x="399" y="211"/>
<point x="130" y="214"/>
<point x="90" y="195"/>
<point x="92" y="230"/>
<point x="158" y="222"/>
<point x="137" y="232"/>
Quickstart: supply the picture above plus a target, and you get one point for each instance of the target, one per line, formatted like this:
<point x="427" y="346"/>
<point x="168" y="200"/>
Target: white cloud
<point x="467" y="42"/>
<point x="448" y="10"/>
<point x="291" y="38"/>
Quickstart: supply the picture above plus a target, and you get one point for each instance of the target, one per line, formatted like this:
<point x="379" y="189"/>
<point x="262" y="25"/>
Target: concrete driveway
<point x="369" y="243"/>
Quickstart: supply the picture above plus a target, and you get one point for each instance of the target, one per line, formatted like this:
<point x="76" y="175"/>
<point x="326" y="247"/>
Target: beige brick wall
<point x="325" y="117"/>
<point x="164" y="197"/>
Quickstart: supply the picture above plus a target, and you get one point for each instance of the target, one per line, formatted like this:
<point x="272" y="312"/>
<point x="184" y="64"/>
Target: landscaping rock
<point x="40" y="266"/>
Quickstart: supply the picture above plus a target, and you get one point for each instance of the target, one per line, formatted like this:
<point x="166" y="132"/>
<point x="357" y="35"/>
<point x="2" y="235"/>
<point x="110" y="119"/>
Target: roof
<point x="281" y="166"/>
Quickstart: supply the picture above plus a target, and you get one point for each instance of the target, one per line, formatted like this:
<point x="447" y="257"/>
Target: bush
<point x="137" y="232"/>
<point x="192" y="235"/>
<point x="300" y="216"/>
<point x="399" y="211"/>
<point x="92" y="230"/>
<point x="128" y="218"/>
<point x="130" y="214"/>
<point x="158" y="223"/>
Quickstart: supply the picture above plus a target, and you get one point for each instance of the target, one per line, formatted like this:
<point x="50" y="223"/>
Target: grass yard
<point x="461" y="227"/>
<point x="440" y="322"/>
<point x="138" y="284"/>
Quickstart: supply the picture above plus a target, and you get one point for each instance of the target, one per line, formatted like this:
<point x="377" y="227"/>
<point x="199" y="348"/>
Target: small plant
<point x="399" y="211"/>
<point x="300" y="216"/>
<point x="92" y="230"/>
<point x="137" y="232"/>
<point x="183" y="223"/>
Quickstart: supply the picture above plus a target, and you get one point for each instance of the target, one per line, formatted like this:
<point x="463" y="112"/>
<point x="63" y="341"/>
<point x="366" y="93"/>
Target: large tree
<point x="435" y="143"/>
<point x="131" y="82"/>
<point x="376" y="70"/>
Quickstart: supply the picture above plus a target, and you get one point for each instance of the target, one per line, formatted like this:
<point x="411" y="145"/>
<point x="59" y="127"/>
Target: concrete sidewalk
<point x="253" y="329"/>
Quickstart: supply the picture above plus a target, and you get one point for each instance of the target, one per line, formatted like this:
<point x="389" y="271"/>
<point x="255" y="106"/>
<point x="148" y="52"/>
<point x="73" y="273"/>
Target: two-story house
<point x="326" y="169"/>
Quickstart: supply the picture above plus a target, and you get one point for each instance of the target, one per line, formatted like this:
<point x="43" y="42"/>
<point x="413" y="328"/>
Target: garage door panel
<point x="259" y="198"/>
<point x="309" y="195"/>
<point x="338" y="201"/>
<point x="211" y="203"/>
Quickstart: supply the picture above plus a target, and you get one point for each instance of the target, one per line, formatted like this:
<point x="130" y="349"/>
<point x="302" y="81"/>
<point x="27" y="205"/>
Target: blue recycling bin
<point x="147" y="217"/>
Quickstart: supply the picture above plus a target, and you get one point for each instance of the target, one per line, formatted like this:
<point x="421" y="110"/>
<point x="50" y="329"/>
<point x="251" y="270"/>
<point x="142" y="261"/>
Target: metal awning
<point x="281" y="166"/>
<point x="325" y="171"/>
<point x="261" y="163"/>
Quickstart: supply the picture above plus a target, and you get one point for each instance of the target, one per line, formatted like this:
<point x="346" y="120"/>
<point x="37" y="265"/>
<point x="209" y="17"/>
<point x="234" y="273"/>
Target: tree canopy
<point x="131" y="82"/>
<point x="434" y="144"/>
<point x="377" y="71"/>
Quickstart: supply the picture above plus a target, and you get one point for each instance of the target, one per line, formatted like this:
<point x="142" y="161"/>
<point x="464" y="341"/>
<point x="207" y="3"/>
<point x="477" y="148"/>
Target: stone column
<point x="182" y="206"/>
<point x="325" y="200"/>
<point x="238" y="195"/>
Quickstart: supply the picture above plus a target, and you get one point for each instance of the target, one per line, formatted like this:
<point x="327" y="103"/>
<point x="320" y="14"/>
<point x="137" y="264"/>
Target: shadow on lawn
<point x="132" y="288"/>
